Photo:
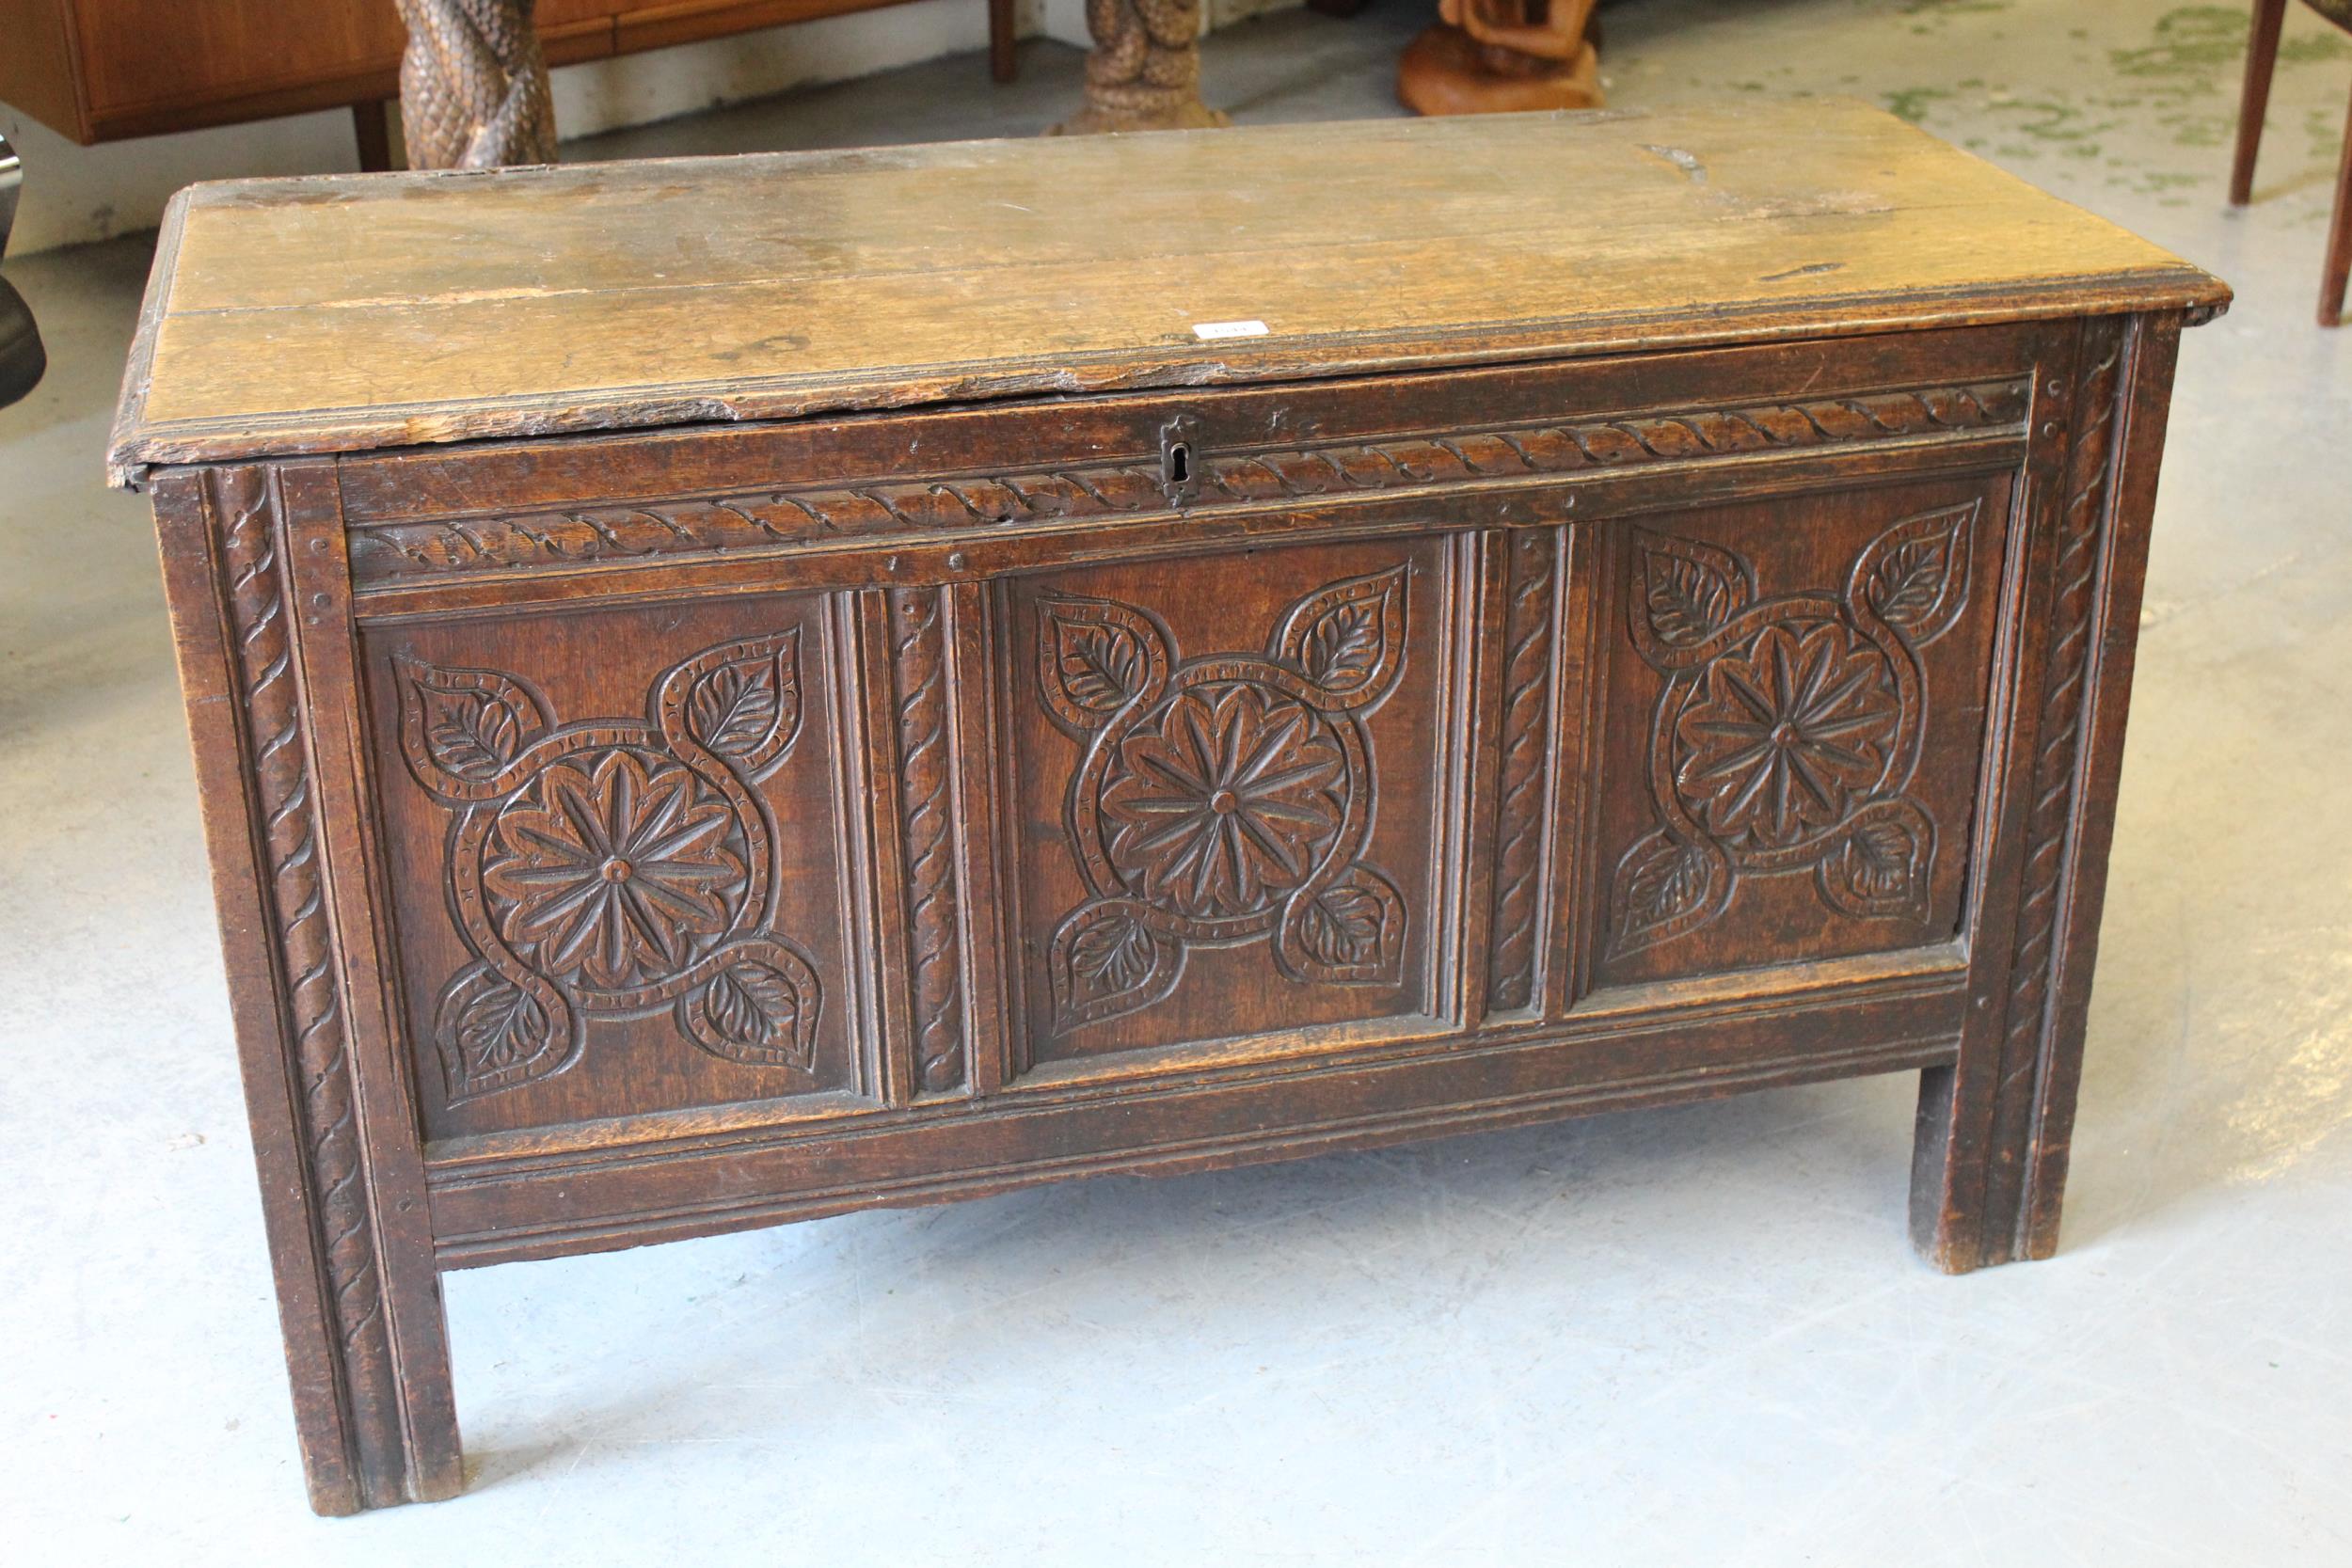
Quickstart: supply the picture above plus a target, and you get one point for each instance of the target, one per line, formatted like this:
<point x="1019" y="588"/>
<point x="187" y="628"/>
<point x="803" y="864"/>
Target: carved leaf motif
<point x="1664" y="888"/>
<point x="752" y="1009"/>
<point x="759" y="1011"/>
<point x="1688" y="591"/>
<point x="472" y="734"/>
<point x="1352" y="933"/>
<point x="1106" y="962"/>
<point x="493" y="1034"/>
<point x="1101" y="666"/>
<point x="1880" y="867"/>
<point x="463" y="725"/>
<point x="1111" y="956"/>
<point x="499" y="1028"/>
<point x="747" y="707"/>
<point x="1341" y="927"/>
<point x="1915" y="576"/>
<point x="1095" y="657"/>
<point x="1349" y="638"/>
<point x="1910" y="581"/>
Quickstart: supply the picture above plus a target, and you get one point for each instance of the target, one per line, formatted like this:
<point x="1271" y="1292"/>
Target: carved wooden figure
<point x="473" y="85"/>
<point x="908" y="717"/>
<point x="1144" y="70"/>
<point x="1498" y="56"/>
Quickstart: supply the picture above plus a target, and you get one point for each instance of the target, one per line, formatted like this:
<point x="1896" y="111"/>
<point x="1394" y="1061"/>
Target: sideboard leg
<point x="358" y="1297"/>
<point x="1995" y="1129"/>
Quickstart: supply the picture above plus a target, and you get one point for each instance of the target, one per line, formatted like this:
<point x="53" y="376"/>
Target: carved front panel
<point x="1795" y="712"/>
<point x="612" y="841"/>
<point x="1224" y="776"/>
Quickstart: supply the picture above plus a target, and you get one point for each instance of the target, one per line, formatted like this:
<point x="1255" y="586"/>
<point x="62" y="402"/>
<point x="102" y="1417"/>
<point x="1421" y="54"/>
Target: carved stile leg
<point x="1989" y="1166"/>
<point x="473" y="85"/>
<point x="1144" y="74"/>
<point x="358" y="1300"/>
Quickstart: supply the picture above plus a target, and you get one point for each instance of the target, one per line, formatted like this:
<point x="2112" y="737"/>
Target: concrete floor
<point x="1692" y="1337"/>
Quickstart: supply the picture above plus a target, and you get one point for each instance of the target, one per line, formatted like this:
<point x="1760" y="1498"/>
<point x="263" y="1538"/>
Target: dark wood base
<point x="1094" y="121"/>
<point x="1144" y="71"/>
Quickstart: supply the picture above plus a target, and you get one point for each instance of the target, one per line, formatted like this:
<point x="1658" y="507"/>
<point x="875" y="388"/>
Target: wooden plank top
<point x="369" y="311"/>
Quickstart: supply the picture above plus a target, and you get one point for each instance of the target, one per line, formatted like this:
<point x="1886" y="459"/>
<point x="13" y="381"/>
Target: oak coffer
<point x="734" y="690"/>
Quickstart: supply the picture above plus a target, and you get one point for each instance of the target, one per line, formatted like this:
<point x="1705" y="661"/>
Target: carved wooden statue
<point x="1144" y="74"/>
<point x="1495" y="56"/>
<point x="473" y="85"/>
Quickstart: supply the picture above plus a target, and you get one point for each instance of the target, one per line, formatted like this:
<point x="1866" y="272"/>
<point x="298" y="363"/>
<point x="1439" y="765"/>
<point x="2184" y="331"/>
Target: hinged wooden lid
<point x="369" y="311"/>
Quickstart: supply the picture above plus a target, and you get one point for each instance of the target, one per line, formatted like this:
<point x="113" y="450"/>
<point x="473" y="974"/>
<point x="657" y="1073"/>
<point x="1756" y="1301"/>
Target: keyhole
<point x="1179" y="463"/>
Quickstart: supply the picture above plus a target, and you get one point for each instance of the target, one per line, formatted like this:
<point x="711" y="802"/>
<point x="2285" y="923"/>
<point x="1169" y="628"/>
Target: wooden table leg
<point x="2338" y="267"/>
<point x="1144" y="74"/>
<point x="2262" y="53"/>
<point x="1002" y="66"/>
<point x="473" y="85"/>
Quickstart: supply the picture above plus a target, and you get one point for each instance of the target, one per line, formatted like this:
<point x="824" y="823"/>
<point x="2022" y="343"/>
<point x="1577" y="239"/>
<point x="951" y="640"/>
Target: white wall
<point x="73" y="194"/>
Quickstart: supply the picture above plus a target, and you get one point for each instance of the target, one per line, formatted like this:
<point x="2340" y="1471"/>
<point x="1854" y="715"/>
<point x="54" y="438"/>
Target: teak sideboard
<point x="737" y="689"/>
<point x="101" y="70"/>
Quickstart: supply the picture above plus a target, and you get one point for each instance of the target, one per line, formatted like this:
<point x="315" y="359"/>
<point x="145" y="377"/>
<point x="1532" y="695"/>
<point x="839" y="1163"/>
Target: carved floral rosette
<point x="613" y="867"/>
<point x="1789" y="728"/>
<point x="1223" y="799"/>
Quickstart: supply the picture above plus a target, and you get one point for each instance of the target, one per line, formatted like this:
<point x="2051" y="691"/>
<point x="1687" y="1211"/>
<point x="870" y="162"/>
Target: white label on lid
<point x="1229" y="329"/>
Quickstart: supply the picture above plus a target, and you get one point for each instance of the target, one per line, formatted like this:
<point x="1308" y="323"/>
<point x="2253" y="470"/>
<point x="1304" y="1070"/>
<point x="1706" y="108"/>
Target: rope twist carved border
<point x="263" y="654"/>
<point x="918" y="672"/>
<point x="1528" y="636"/>
<point x="394" y="551"/>
<point x="2059" y="740"/>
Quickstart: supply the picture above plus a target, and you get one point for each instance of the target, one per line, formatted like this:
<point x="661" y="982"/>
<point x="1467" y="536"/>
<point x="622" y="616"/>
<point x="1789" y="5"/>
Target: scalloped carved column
<point x="1144" y="74"/>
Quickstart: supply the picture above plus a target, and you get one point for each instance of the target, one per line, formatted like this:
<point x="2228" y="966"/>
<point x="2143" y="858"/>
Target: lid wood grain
<point x="371" y="311"/>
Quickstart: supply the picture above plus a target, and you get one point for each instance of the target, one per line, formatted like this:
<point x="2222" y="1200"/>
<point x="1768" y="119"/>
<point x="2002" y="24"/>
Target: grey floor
<point x="1693" y="1337"/>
